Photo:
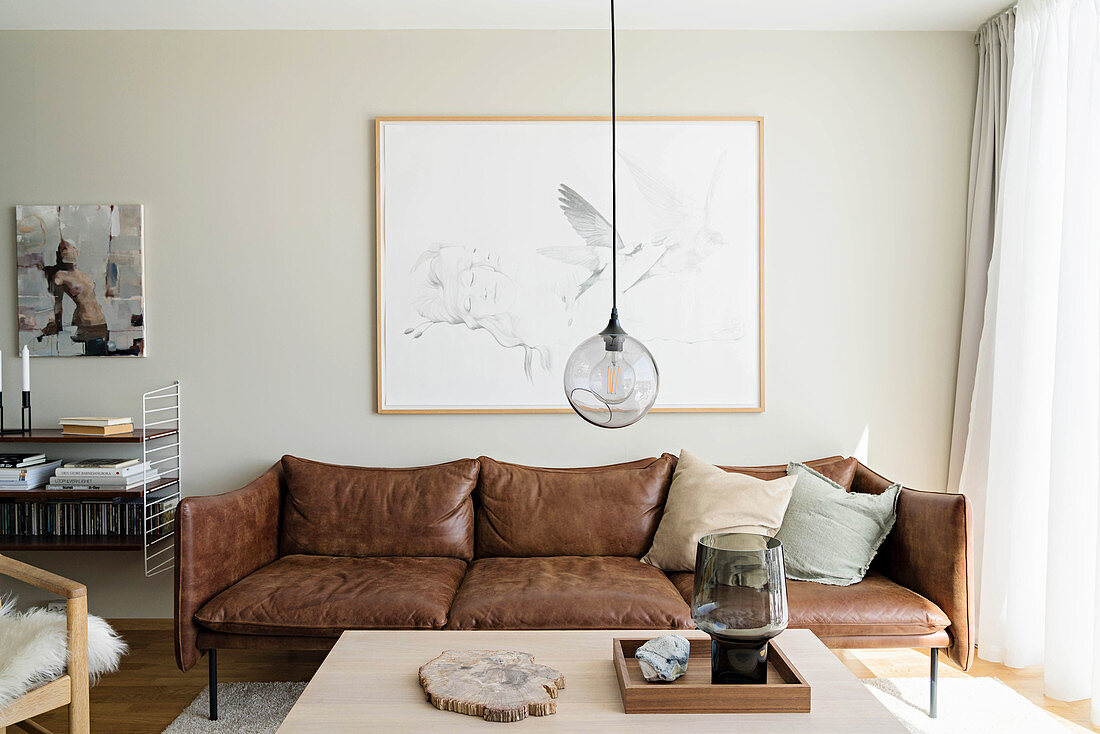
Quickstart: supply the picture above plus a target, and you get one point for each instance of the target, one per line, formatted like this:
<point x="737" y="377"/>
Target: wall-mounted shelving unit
<point x="159" y="438"/>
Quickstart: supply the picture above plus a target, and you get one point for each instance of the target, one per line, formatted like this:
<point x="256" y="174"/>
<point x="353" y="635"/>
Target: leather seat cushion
<point x="874" y="606"/>
<point x="323" y="595"/>
<point x="684" y="581"/>
<point x="567" y="592"/>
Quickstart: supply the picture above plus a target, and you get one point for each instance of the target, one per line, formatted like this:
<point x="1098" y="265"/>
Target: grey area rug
<point x="967" y="706"/>
<point x="243" y="708"/>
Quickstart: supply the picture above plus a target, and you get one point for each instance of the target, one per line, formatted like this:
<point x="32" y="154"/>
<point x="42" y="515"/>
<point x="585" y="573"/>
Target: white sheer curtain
<point x="1034" y="451"/>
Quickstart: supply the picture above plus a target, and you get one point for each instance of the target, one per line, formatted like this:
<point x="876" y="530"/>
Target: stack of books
<point x="106" y="474"/>
<point x="25" y="471"/>
<point x="96" y="426"/>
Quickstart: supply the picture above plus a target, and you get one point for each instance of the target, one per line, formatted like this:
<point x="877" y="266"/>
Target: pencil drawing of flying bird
<point x="683" y="227"/>
<point x="595" y="255"/>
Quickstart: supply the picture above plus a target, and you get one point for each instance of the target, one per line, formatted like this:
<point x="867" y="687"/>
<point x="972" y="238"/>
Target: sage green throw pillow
<point x="829" y="535"/>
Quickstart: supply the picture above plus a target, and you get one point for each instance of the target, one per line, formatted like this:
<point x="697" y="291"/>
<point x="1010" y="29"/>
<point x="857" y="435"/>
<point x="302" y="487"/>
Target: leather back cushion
<point x="839" y="469"/>
<point x="337" y="510"/>
<point x="592" y="511"/>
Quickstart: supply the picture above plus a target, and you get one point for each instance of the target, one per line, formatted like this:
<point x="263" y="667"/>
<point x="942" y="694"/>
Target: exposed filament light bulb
<point x="612" y="378"/>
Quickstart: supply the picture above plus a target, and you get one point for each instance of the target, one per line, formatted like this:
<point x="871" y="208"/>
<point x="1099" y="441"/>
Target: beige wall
<point x="253" y="155"/>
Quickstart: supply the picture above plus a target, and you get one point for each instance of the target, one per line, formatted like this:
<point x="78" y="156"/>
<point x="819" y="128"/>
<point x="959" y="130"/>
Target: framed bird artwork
<point x="493" y="247"/>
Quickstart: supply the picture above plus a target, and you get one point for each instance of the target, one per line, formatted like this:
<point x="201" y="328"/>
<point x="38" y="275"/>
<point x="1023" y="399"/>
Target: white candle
<point x="26" y="369"/>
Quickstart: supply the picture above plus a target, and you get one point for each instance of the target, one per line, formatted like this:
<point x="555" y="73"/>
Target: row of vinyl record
<point x="84" y="517"/>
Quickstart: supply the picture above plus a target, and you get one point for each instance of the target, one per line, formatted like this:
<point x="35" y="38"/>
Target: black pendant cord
<point x="613" y="334"/>
<point x="614" y="202"/>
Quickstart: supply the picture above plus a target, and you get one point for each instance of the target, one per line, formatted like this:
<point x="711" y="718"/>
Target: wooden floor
<point x="148" y="692"/>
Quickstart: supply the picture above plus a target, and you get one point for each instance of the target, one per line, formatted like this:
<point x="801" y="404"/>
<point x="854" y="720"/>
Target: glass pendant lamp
<point x="611" y="379"/>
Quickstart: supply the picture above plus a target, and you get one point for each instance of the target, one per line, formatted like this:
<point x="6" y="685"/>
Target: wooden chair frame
<point x="71" y="689"/>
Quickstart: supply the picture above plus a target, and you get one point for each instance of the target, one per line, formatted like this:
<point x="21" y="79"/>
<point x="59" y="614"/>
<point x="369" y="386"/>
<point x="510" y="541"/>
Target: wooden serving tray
<point x="786" y="691"/>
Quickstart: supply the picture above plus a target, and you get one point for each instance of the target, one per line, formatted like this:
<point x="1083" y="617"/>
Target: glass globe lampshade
<point x="611" y="379"/>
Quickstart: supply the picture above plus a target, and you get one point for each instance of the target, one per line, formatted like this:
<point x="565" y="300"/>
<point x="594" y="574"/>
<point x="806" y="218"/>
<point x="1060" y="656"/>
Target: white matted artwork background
<point x="486" y="285"/>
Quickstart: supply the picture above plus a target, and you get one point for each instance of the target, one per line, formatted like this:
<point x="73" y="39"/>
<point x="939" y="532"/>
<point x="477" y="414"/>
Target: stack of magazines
<point x="107" y="474"/>
<point x="25" y="471"/>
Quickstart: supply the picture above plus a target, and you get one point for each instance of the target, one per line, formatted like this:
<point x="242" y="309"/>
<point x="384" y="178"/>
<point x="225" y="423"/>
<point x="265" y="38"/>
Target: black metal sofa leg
<point x="933" y="704"/>
<point x="213" y="655"/>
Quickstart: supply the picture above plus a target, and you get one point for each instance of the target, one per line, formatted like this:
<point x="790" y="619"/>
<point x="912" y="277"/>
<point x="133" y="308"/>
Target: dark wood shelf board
<point x="70" y="542"/>
<point x="51" y="493"/>
<point x="54" y="435"/>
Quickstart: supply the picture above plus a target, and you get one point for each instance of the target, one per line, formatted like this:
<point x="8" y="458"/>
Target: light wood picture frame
<point x="485" y="280"/>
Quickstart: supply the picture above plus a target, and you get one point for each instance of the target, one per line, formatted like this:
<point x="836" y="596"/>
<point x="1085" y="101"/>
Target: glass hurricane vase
<point x="740" y="600"/>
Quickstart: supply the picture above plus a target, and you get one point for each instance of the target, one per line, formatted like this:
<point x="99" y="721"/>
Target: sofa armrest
<point x="928" y="551"/>
<point x="220" y="539"/>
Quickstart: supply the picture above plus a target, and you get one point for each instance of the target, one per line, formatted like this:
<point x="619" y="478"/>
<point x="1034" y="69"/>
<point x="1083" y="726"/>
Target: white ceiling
<point x="922" y="15"/>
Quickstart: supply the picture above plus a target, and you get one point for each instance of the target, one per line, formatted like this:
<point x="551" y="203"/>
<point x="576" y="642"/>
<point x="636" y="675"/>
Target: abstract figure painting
<point x="494" y="246"/>
<point x="81" y="280"/>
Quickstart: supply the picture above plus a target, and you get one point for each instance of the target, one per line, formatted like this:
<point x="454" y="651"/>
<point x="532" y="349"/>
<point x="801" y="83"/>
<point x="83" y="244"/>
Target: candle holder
<point x="25" y="421"/>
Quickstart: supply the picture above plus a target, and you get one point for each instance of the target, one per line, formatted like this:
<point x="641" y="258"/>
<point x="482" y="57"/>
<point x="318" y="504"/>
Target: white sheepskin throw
<point x="33" y="649"/>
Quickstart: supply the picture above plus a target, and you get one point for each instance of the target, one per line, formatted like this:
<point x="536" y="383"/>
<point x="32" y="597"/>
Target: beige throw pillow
<point x="705" y="499"/>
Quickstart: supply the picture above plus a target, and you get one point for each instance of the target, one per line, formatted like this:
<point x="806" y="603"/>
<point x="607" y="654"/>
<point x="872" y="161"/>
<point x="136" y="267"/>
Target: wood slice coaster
<point x="498" y="685"/>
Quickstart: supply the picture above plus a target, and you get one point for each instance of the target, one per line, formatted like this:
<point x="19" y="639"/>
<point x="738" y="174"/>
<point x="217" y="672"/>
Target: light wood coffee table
<point x="368" y="683"/>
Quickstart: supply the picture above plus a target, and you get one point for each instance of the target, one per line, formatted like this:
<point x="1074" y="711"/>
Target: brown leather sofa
<point x="309" y="549"/>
